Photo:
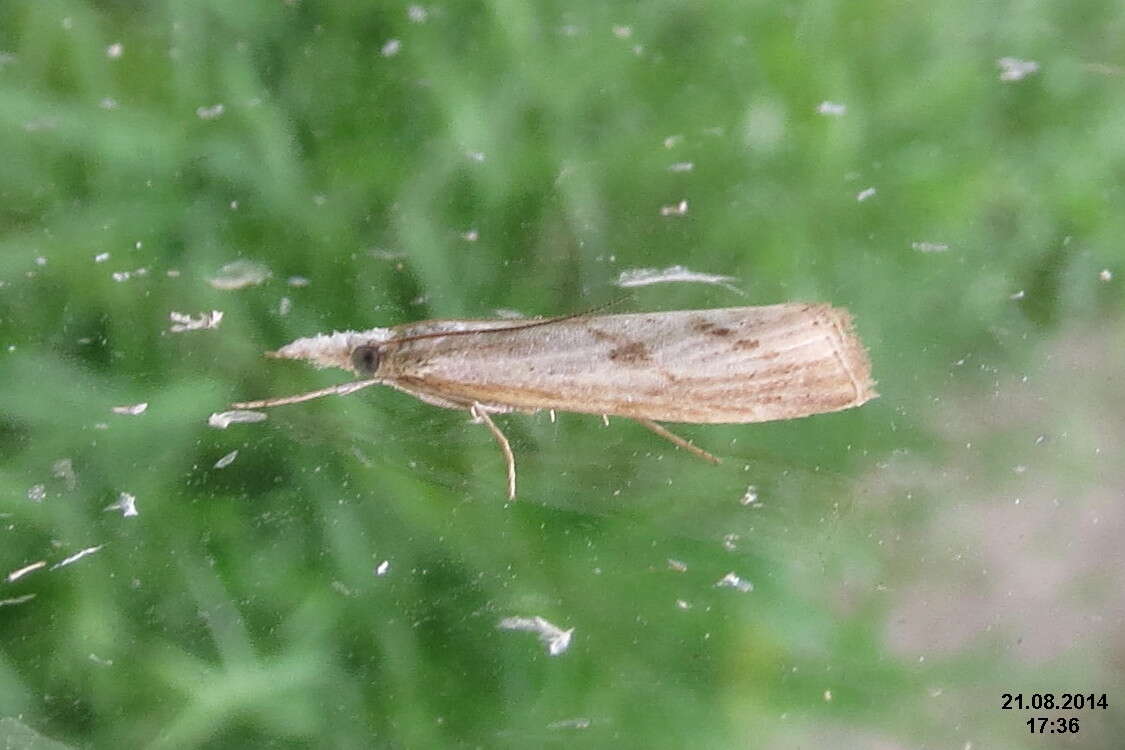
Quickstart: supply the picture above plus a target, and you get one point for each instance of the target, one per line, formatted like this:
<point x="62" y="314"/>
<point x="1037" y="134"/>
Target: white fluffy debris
<point x="224" y="419"/>
<point x="553" y="637"/>
<point x="184" y="322"/>
<point x="732" y="581"/>
<point x="126" y="503"/>
<point x="671" y="275"/>
<point x="131" y="410"/>
<point x="239" y="275"/>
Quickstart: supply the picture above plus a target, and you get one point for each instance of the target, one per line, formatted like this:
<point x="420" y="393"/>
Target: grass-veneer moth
<point x="731" y="365"/>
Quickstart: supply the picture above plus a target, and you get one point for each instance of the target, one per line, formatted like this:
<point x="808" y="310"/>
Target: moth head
<point x="356" y="352"/>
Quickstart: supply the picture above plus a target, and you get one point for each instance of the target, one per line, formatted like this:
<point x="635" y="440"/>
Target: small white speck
<point x="226" y="460"/>
<point x="107" y="103"/>
<point x="733" y="581"/>
<point x="623" y="32"/>
<point x="101" y="257"/>
<point x="681" y="166"/>
<point x="553" y="637"/>
<point x="750" y="497"/>
<point x="37" y="493"/>
<point x="17" y="600"/>
<point x="1013" y="69"/>
<point x="239" y="275"/>
<point x="832" y="109"/>
<point x="1017" y="295"/>
<point x="477" y="156"/>
<point x="417" y="14"/>
<point x="222" y="420"/>
<point x="297" y="281"/>
<point x="929" y="247"/>
<point x="676" y="565"/>
<point x="126" y="503"/>
<point x="182" y="322"/>
<point x="19" y="573"/>
<point x="40" y="261"/>
<point x="284" y="306"/>
<point x="383" y="568"/>
<point x="391" y="48"/>
<point x="673" y="140"/>
<point x="131" y="410"/>
<point x="827" y="696"/>
<point x="675" y="209"/>
<point x="1105" y="275"/>
<point x="471" y="235"/>
<point x="863" y="195"/>
<point x="76" y="557"/>
<point x="115" y="51"/>
<point x="213" y="112"/>
<point x="683" y="604"/>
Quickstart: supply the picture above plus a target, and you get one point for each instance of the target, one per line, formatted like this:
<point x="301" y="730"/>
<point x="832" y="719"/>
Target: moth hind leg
<point x="480" y="415"/>
<point x="674" y="438"/>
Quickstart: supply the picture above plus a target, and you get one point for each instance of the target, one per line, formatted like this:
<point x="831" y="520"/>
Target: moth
<point x="729" y="365"/>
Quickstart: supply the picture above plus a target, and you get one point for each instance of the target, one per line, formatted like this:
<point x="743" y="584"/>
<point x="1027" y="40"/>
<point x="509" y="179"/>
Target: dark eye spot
<point x="365" y="359"/>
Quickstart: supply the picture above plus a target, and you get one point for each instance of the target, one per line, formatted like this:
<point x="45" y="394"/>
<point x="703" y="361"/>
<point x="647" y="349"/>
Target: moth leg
<point x="667" y="435"/>
<point x="480" y="415"/>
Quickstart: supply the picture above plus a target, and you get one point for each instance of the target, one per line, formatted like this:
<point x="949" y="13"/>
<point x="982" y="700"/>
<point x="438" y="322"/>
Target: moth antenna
<point x="513" y="327"/>
<point x="342" y="389"/>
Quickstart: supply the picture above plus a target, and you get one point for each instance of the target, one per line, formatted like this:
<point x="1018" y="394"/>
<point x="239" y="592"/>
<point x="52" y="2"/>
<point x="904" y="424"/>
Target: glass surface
<point x="952" y="173"/>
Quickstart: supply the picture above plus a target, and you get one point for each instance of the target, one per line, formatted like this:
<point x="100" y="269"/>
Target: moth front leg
<point x="673" y="437"/>
<point x="480" y="416"/>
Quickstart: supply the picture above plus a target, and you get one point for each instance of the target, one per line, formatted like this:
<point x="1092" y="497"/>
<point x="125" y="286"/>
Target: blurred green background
<point x="340" y="584"/>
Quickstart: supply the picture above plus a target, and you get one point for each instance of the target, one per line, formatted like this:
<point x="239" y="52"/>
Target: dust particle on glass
<point x="577" y="723"/>
<point x="730" y="542"/>
<point x="673" y="140"/>
<point x="19" y="573"/>
<point x="750" y="497"/>
<point x="107" y="103"/>
<point x="131" y="410"/>
<point x="1017" y="296"/>
<point x="76" y="557"/>
<point x="1105" y="275"/>
<point x="683" y="604"/>
<point x="126" y="503"/>
<point x="623" y="32"/>
<point x="383" y="568"/>
<point x="676" y="565"/>
<point x="417" y="14"/>
<point x="115" y="51"/>
<point x="929" y="247"/>
<point x="1013" y="69"/>
<point x="863" y="195"/>
<point x="63" y="469"/>
<point x="37" y="493"/>
<point x="239" y="274"/>
<point x="470" y="235"/>
<point x="214" y="112"/>
<point x="672" y="275"/>
<point x="297" y="281"/>
<point x="554" y="639"/>
<point x="17" y="600"/>
<point x="226" y="460"/>
<point x="101" y="257"/>
<point x="832" y="109"/>
<point x="224" y="419"/>
<point x="182" y="322"/>
<point x="284" y="306"/>
<point x="681" y="166"/>
<point x="733" y="581"/>
<point x="391" y="48"/>
<point x="675" y="209"/>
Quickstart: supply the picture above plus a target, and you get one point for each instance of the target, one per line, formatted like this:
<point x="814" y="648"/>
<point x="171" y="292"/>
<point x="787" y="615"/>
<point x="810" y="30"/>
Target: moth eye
<point x="365" y="359"/>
